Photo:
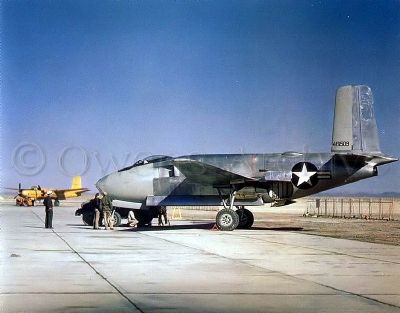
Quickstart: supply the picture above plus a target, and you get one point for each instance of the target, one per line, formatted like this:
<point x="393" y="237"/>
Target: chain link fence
<point x="349" y="207"/>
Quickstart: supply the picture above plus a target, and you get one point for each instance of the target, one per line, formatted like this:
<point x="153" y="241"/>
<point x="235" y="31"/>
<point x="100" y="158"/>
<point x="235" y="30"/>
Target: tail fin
<point x="76" y="182"/>
<point x="354" y="125"/>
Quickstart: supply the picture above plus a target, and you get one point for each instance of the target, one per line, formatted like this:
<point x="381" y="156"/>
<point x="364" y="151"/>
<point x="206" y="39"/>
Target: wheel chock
<point x="215" y="228"/>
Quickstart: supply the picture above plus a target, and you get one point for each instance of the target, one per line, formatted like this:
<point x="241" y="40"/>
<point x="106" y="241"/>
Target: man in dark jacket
<point x="96" y="207"/>
<point x="48" y="204"/>
<point x="162" y="212"/>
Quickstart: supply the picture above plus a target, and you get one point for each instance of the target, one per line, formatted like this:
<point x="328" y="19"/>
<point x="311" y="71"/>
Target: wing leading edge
<point x="206" y="174"/>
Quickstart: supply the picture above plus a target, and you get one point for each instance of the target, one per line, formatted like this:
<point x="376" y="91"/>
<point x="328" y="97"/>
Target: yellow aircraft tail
<point x="76" y="182"/>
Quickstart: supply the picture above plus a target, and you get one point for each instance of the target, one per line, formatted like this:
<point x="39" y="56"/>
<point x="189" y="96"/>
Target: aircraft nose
<point x="101" y="185"/>
<point x="110" y="184"/>
<point x="128" y="185"/>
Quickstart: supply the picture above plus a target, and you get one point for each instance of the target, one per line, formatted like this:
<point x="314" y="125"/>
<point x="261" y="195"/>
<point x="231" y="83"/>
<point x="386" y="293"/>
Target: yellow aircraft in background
<point x="28" y="197"/>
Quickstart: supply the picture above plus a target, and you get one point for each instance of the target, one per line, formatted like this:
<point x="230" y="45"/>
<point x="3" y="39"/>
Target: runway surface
<point x="187" y="268"/>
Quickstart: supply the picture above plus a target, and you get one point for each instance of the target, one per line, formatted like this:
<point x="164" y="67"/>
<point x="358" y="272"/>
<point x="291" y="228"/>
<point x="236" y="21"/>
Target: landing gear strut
<point x="229" y="219"/>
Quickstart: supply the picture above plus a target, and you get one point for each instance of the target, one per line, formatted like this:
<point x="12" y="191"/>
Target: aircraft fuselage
<point x="278" y="176"/>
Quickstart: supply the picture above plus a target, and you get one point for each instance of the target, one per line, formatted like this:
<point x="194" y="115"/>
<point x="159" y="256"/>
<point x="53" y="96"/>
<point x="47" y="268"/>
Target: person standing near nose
<point x="48" y="204"/>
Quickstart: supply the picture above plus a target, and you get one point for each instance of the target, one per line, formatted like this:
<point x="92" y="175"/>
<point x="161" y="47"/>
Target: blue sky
<point x="91" y="83"/>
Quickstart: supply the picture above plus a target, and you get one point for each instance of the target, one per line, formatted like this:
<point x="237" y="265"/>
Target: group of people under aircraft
<point x="102" y="205"/>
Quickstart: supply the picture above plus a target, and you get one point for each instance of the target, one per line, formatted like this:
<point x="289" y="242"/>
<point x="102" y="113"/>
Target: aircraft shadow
<point x="172" y="227"/>
<point x="207" y="226"/>
<point x="279" y="228"/>
<point x="34" y="226"/>
<point x="81" y="226"/>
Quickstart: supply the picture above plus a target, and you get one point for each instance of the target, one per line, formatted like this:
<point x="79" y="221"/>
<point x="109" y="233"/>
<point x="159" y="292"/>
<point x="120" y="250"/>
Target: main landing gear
<point x="229" y="219"/>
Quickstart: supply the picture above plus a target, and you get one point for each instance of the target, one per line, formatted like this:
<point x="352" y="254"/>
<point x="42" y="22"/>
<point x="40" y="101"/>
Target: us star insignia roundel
<point x="304" y="175"/>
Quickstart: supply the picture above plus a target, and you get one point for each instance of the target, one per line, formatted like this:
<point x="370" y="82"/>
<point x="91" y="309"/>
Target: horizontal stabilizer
<point x="361" y="159"/>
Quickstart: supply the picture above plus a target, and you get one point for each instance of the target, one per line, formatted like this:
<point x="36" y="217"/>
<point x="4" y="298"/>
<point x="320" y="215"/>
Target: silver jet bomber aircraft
<point x="238" y="180"/>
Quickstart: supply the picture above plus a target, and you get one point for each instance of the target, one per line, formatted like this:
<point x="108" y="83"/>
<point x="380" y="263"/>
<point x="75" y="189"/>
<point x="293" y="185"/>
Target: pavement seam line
<point x="321" y="250"/>
<point x="92" y="267"/>
<point x="282" y="273"/>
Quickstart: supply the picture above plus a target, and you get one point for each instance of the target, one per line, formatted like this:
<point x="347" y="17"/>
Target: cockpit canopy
<point x="147" y="160"/>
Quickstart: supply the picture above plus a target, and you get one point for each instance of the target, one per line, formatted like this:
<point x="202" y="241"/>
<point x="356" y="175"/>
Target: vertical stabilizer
<point x="354" y="125"/>
<point x="76" y="182"/>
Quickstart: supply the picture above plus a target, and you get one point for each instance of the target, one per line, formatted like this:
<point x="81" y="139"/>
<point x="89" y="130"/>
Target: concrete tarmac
<point x="187" y="268"/>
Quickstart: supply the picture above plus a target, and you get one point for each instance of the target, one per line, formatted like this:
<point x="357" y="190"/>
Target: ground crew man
<point x="48" y="204"/>
<point x="106" y="208"/>
<point x="162" y="211"/>
<point x="96" y="208"/>
<point x="131" y="219"/>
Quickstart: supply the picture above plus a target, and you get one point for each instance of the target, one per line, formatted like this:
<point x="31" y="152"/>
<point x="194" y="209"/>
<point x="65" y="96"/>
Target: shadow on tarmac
<point x="34" y="226"/>
<point x="208" y="226"/>
<point x="282" y="228"/>
<point x="172" y="227"/>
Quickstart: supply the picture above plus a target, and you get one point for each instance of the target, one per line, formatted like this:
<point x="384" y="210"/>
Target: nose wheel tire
<point x="144" y="217"/>
<point x="246" y="218"/>
<point x="117" y="219"/>
<point x="227" y="219"/>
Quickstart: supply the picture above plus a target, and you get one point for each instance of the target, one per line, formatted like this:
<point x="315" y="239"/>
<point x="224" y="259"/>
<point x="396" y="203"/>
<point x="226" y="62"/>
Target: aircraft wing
<point x="61" y="193"/>
<point x="206" y="174"/>
<point x="75" y="190"/>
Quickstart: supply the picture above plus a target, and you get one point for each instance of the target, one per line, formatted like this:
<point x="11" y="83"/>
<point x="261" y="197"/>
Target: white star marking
<point x="304" y="176"/>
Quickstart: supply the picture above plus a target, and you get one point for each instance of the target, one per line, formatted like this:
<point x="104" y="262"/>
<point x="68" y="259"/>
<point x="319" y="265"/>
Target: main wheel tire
<point x="56" y="202"/>
<point x="87" y="219"/>
<point x="117" y="219"/>
<point x="227" y="219"/>
<point x="144" y="217"/>
<point x="246" y="218"/>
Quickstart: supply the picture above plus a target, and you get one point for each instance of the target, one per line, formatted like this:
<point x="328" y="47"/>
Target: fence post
<point x="341" y="207"/>
<point x="392" y="210"/>
<point x="369" y="208"/>
<point x="350" y="208"/>
<point x="334" y="207"/>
